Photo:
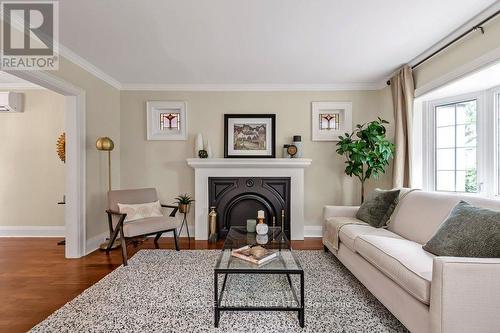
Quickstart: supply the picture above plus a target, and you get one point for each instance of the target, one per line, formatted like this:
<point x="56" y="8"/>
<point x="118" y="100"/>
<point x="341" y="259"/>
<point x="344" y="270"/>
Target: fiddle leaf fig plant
<point x="367" y="151"/>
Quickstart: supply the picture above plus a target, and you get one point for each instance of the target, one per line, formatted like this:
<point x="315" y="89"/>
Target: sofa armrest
<point x="343" y="211"/>
<point x="465" y="295"/>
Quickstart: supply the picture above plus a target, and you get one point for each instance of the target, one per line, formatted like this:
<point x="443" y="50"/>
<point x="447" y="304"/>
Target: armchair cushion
<point x="148" y="225"/>
<point x="140" y="211"/>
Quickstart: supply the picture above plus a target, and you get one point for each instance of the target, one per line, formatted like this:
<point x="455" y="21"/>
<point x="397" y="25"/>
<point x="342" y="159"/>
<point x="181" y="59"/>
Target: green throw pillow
<point x="468" y="231"/>
<point x="378" y="207"/>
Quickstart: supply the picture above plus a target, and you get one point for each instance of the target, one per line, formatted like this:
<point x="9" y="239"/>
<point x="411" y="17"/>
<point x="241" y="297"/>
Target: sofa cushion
<point x="148" y="226"/>
<point x="350" y="232"/>
<point x="378" y="207"/>
<point x="403" y="261"/>
<point x="419" y="213"/>
<point x="468" y="231"/>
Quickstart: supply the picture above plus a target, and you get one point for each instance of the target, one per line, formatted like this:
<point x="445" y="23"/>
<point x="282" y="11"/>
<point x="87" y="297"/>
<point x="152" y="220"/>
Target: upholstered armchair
<point x="156" y="225"/>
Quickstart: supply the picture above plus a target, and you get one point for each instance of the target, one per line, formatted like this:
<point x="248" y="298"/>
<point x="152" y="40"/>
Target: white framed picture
<point x="166" y="120"/>
<point x="330" y="119"/>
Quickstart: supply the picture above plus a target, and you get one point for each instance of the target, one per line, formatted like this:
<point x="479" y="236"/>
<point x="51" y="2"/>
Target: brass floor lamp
<point x="106" y="144"/>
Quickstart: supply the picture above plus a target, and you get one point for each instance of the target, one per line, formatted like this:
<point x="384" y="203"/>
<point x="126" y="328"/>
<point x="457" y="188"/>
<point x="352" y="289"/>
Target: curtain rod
<point x="478" y="26"/>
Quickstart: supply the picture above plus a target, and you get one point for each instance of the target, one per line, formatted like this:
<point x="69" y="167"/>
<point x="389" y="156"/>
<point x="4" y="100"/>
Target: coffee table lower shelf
<point x="218" y="308"/>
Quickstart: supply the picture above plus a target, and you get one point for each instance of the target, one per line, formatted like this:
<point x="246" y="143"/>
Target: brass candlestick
<point x="282" y="226"/>
<point x="273" y="239"/>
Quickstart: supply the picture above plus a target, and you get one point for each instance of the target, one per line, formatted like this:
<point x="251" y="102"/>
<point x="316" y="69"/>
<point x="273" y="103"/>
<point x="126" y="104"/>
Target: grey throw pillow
<point x="378" y="207"/>
<point x="468" y="231"/>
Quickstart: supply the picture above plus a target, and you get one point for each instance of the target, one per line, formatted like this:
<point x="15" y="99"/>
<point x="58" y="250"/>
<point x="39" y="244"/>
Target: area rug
<point x="170" y="291"/>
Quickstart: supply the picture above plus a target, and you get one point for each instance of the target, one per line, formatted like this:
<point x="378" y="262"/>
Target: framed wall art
<point x="166" y="120"/>
<point x="249" y="135"/>
<point x="330" y="119"/>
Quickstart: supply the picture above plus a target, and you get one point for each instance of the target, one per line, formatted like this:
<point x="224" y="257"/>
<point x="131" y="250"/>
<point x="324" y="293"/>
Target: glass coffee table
<point x="238" y="274"/>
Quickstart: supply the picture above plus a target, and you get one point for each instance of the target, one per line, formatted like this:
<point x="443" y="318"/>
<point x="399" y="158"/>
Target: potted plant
<point x="367" y="151"/>
<point x="184" y="202"/>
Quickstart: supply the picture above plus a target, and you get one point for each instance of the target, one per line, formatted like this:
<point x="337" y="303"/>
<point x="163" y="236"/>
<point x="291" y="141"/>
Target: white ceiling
<point x="155" y="42"/>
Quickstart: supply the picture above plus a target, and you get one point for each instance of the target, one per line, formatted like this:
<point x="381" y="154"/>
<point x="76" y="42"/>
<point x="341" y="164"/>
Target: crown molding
<point x="89" y="67"/>
<point x="20" y="86"/>
<point x="252" y="87"/>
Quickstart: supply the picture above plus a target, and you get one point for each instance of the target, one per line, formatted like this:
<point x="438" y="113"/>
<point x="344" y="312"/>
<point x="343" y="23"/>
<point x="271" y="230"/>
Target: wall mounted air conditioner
<point x="11" y="102"/>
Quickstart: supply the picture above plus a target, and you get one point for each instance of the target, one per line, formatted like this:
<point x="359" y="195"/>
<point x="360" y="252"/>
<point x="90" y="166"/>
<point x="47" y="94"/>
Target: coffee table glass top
<point x="237" y="237"/>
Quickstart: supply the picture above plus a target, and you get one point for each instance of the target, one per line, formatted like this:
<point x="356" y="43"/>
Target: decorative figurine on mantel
<point x="261" y="227"/>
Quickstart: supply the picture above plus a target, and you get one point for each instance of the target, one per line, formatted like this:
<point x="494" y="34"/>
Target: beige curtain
<point x="403" y="91"/>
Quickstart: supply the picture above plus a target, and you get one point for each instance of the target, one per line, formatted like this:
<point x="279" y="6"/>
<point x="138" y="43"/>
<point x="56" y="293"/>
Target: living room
<point x="250" y="165"/>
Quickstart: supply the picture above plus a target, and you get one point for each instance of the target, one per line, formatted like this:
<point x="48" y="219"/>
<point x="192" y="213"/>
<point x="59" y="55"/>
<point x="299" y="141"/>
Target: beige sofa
<point x="425" y="292"/>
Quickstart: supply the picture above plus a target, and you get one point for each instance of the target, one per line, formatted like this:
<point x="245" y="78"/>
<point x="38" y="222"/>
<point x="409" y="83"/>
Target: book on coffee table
<point x="256" y="254"/>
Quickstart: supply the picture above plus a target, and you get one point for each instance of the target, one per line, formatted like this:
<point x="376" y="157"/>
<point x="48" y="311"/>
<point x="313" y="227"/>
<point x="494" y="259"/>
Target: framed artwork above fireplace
<point x="249" y="135"/>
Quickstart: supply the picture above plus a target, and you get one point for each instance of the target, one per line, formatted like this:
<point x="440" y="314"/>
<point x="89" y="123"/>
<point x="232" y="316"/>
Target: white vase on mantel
<point x="198" y="144"/>
<point x="209" y="150"/>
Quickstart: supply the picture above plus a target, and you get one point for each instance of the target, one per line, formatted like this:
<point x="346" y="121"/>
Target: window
<point x="456" y="147"/>
<point x="460" y="144"/>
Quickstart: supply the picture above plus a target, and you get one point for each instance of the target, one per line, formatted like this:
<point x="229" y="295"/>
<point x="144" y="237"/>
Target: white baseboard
<point x="313" y="231"/>
<point x="93" y="243"/>
<point x="32" y="231"/>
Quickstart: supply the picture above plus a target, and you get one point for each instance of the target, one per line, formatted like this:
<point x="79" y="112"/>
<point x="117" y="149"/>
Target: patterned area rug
<point x="170" y="291"/>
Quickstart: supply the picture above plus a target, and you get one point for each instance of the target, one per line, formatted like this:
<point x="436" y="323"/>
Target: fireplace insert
<point x="239" y="198"/>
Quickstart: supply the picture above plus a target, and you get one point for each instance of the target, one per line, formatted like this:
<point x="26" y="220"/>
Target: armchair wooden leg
<point x="175" y="240"/>
<point x="112" y="240"/>
<point x="124" y="247"/>
<point x="157" y="237"/>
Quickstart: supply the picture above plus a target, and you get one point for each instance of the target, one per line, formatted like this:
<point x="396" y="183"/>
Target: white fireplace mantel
<point x="249" y="167"/>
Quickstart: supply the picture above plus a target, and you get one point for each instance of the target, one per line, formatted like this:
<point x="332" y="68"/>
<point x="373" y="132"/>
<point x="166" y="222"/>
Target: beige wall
<point x="463" y="52"/>
<point x="31" y="174"/>
<point x="162" y="164"/>
<point x="102" y="119"/>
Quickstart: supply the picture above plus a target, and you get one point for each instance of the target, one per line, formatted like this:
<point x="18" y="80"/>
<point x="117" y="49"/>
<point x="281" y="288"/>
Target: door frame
<point x="75" y="175"/>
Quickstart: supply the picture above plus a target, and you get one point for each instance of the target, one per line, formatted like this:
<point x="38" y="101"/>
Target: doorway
<point x="74" y="216"/>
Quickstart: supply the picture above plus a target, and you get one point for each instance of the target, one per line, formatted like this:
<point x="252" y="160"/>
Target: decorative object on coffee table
<point x="367" y="151"/>
<point x="249" y="135"/>
<point x="261" y="226"/>
<point x="329" y="120"/>
<point x="251" y="224"/>
<point x="166" y="120"/>
<point x="184" y="202"/>
<point x="212" y="224"/>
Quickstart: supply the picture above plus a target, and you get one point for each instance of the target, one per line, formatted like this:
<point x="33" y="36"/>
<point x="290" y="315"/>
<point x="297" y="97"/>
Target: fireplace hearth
<point x="239" y="198"/>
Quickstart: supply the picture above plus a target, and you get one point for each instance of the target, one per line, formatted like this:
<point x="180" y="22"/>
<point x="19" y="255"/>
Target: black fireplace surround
<point x="239" y="198"/>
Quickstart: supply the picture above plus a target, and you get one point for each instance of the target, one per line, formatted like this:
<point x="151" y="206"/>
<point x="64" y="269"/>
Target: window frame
<point x="429" y="150"/>
<point x="494" y="105"/>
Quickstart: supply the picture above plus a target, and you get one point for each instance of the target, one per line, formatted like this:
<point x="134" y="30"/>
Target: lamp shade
<point x="105" y="143"/>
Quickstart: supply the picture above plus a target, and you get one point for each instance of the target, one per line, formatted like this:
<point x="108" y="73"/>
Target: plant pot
<point x="184" y="208"/>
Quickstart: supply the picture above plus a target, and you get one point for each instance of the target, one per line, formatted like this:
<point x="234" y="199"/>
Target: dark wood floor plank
<point x="36" y="279"/>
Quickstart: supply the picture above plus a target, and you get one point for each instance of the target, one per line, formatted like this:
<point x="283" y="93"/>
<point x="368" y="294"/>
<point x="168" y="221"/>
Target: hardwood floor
<point x="36" y="279"/>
